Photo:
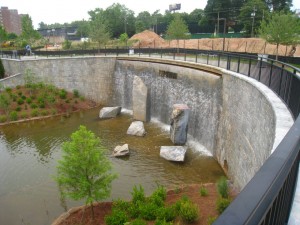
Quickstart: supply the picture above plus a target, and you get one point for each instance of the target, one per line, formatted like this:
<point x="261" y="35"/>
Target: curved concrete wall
<point x="231" y="115"/>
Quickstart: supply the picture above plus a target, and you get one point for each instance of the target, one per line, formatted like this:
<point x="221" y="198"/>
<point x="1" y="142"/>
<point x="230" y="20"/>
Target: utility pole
<point x="218" y="23"/>
<point x="125" y="24"/>
<point x="253" y="17"/>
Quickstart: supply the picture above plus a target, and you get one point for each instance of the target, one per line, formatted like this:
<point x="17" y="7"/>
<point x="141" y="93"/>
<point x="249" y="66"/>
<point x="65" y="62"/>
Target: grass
<point x="37" y="99"/>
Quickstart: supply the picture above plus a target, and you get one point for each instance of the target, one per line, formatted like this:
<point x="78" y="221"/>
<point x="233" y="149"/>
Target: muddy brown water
<point x="29" y="152"/>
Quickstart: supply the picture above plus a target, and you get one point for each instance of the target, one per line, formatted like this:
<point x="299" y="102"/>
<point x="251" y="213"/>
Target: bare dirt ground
<point x="148" y="39"/>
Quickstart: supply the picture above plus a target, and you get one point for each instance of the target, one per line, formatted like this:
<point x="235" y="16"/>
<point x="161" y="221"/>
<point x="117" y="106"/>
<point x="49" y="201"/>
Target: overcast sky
<point x="62" y="11"/>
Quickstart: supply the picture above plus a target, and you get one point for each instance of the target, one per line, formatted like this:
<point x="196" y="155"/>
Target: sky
<point x="62" y="11"/>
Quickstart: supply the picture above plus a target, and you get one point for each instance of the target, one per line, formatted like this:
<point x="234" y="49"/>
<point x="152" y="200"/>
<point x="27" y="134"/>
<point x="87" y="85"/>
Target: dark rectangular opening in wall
<point x="167" y="74"/>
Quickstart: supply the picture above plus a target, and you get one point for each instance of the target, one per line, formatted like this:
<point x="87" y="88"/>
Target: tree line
<point x="218" y="16"/>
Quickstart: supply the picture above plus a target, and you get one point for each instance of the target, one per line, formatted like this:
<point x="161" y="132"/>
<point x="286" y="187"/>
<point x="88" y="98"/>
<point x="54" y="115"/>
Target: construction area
<point x="149" y="39"/>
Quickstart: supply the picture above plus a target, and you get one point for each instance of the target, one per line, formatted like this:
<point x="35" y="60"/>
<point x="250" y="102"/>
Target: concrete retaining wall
<point x="236" y="118"/>
<point x="91" y="76"/>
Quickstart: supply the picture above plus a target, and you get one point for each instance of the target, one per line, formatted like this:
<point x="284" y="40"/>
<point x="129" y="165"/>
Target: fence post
<point x="184" y="54"/>
<point x="149" y="52"/>
<point x="174" y="54"/>
<point x="207" y="57"/>
<point x="249" y="69"/>
<point x="238" y="65"/>
<point x="270" y="76"/>
<point x="260" y="65"/>
<point x="196" y="57"/>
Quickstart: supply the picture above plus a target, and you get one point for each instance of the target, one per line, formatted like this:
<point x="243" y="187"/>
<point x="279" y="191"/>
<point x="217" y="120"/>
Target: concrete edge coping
<point x="283" y="117"/>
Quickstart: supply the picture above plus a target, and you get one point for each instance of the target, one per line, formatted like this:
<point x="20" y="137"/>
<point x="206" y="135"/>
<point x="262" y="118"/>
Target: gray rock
<point x="173" y="153"/>
<point x="121" y="150"/>
<point x="140" y="100"/>
<point x="136" y="128"/>
<point x="109" y="112"/>
<point x="179" y="124"/>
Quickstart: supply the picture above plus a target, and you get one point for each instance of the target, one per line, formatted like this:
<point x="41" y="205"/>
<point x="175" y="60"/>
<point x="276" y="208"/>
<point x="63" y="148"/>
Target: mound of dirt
<point x="148" y="38"/>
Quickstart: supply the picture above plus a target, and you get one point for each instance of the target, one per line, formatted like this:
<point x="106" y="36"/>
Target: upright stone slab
<point x="179" y="123"/>
<point x="140" y="100"/>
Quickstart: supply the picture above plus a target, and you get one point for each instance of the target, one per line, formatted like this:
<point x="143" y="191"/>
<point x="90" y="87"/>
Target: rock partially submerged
<point x="109" y="112"/>
<point x="179" y="124"/>
<point x="173" y="153"/>
<point x="121" y="150"/>
<point x="136" y="128"/>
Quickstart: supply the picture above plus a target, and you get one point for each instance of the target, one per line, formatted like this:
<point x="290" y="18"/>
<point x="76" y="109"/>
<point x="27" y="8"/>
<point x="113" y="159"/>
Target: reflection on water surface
<point x="29" y="152"/>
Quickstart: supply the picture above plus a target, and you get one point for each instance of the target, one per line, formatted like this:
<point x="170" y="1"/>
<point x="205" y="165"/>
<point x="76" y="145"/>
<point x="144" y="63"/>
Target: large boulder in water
<point x="173" y="153"/>
<point x="179" y="124"/>
<point x="136" y="128"/>
<point x="109" y="112"/>
<point x="121" y="150"/>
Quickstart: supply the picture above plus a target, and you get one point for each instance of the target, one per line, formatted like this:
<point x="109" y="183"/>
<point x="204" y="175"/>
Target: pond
<point x="29" y="152"/>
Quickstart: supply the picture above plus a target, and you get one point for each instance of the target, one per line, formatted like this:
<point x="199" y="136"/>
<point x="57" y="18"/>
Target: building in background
<point x="10" y="20"/>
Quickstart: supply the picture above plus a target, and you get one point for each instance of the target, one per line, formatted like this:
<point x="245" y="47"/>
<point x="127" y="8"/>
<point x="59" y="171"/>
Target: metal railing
<point x="268" y="197"/>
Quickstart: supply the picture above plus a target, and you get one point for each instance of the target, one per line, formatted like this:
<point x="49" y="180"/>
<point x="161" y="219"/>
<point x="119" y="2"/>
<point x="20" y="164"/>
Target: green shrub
<point x="82" y="98"/>
<point x="138" y="222"/>
<point x="33" y="105"/>
<point x="3" y="118"/>
<point x="211" y="220"/>
<point x="13" y="115"/>
<point x="159" y="195"/>
<point x="222" y="204"/>
<point x="34" y="113"/>
<point x="24" y="115"/>
<point x="18" y="109"/>
<point x="41" y="99"/>
<point x="23" y="97"/>
<point x="8" y="90"/>
<point x="14" y="97"/>
<point x="20" y="101"/>
<point x="187" y="210"/>
<point x="29" y="100"/>
<point x="134" y="210"/>
<point x="42" y="105"/>
<point x="167" y="213"/>
<point x="76" y="93"/>
<point x="222" y="187"/>
<point x="121" y="205"/>
<point x="20" y="93"/>
<point x="63" y="94"/>
<point x="138" y="194"/>
<point x="117" y="217"/>
<point x="44" y="112"/>
<point x="51" y="99"/>
<point x="53" y="111"/>
<point x="162" y="222"/>
<point x="203" y="191"/>
<point x="149" y="210"/>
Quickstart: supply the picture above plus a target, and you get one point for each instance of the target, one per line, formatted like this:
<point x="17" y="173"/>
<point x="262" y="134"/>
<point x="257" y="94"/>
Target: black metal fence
<point x="268" y="197"/>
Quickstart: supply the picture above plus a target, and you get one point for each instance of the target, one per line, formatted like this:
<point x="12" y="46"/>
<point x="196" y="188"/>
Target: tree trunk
<point x="277" y="47"/>
<point x="93" y="214"/>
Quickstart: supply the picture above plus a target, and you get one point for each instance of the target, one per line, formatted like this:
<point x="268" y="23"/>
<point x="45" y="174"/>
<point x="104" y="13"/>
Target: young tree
<point x="281" y="28"/>
<point x="3" y="34"/>
<point x="98" y="30"/>
<point x="177" y="29"/>
<point x="28" y="34"/>
<point x="252" y="22"/>
<point x="84" y="171"/>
